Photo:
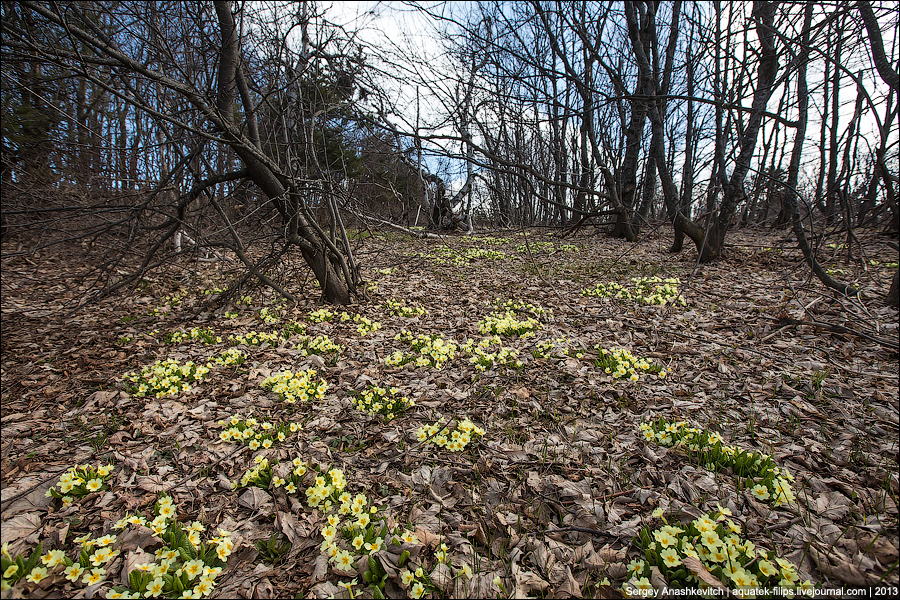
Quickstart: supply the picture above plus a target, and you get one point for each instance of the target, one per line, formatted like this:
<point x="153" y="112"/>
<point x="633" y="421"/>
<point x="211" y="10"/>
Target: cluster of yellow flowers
<point x="767" y="481"/>
<point x="364" y="325"/>
<point x="206" y="335"/>
<point x="506" y="323"/>
<point x="546" y="348"/>
<point x="184" y="565"/>
<point x="483" y="360"/>
<point x="382" y="401"/>
<point x="440" y="435"/>
<point x="259" y="475"/>
<point x="292" y="327"/>
<point x="434" y="350"/>
<point x="164" y="378"/>
<point x="448" y="256"/>
<point x="536" y="247"/>
<point x="80" y="481"/>
<point x="398" y="309"/>
<point x="176" y="298"/>
<point x="517" y="305"/>
<point x="355" y="530"/>
<point x="654" y="290"/>
<point x="242" y="430"/>
<point x="716" y="542"/>
<point x="621" y="363"/>
<point x="328" y="488"/>
<point x="476" y="253"/>
<point x="255" y="338"/>
<point x="492" y="241"/>
<point x="321" y="345"/>
<point x="608" y="290"/>
<point x="647" y="290"/>
<point x="229" y="357"/>
<point x="231" y="314"/>
<point x="268" y="317"/>
<point x="296" y="386"/>
<point x="361" y="520"/>
<point x="320" y="316"/>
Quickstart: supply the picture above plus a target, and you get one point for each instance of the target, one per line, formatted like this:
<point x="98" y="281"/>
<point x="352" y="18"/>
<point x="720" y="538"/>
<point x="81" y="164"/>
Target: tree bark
<point x="791" y="195"/>
<point x="764" y="15"/>
<point x="657" y="145"/>
<point x="893" y="296"/>
<point x="890" y="76"/>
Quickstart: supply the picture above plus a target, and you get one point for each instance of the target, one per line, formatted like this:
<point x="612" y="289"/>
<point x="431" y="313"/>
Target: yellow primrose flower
<point x="345" y="560"/>
<point x="418" y="590"/>
<point x="204" y="587"/>
<point x="665" y="540"/>
<point x="95" y="576"/>
<point x="688" y="550"/>
<point x="11" y="570"/>
<point x="101" y="556"/>
<point x="670" y="557"/>
<point x="169" y="555"/>
<point x="767" y="568"/>
<point x="193" y="568"/>
<point x="711" y="539"/>
<point x="211" y="572"/>
<point x="410" y="538"/>
<point x="52" y="558"/>
<point x="74" y="572"/>
<point x="704" y="524"/>
<point x="222" y="552"/>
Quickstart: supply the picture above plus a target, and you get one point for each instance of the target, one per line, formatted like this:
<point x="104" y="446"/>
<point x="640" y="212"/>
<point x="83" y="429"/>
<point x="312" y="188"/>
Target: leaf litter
<point x="552" y="496"/>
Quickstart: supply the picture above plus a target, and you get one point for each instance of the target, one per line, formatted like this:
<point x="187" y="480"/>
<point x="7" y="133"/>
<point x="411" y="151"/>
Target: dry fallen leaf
<point x="699" y="569"/>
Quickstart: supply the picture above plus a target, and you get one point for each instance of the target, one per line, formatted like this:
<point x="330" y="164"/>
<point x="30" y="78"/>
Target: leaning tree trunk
<point x="336" y="278"/>
<point x="893" y="296"/>
<point x="764" y="14"/>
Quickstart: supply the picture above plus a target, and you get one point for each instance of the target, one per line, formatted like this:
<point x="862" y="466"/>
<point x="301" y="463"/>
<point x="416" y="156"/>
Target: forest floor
<point x="552" y="499"/>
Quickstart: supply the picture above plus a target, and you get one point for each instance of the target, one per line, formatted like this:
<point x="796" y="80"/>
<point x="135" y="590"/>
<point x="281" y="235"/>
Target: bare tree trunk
<point x="890" y="76"/>
<point x="791" y="194"/>
<point x="764" y="15"/>
<point x="893" y="296"/>
<point x="687" y="178"/>
<point x="831" y="184"/>
<point x="657" y="146"/>
<point x="635" y="131"/>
